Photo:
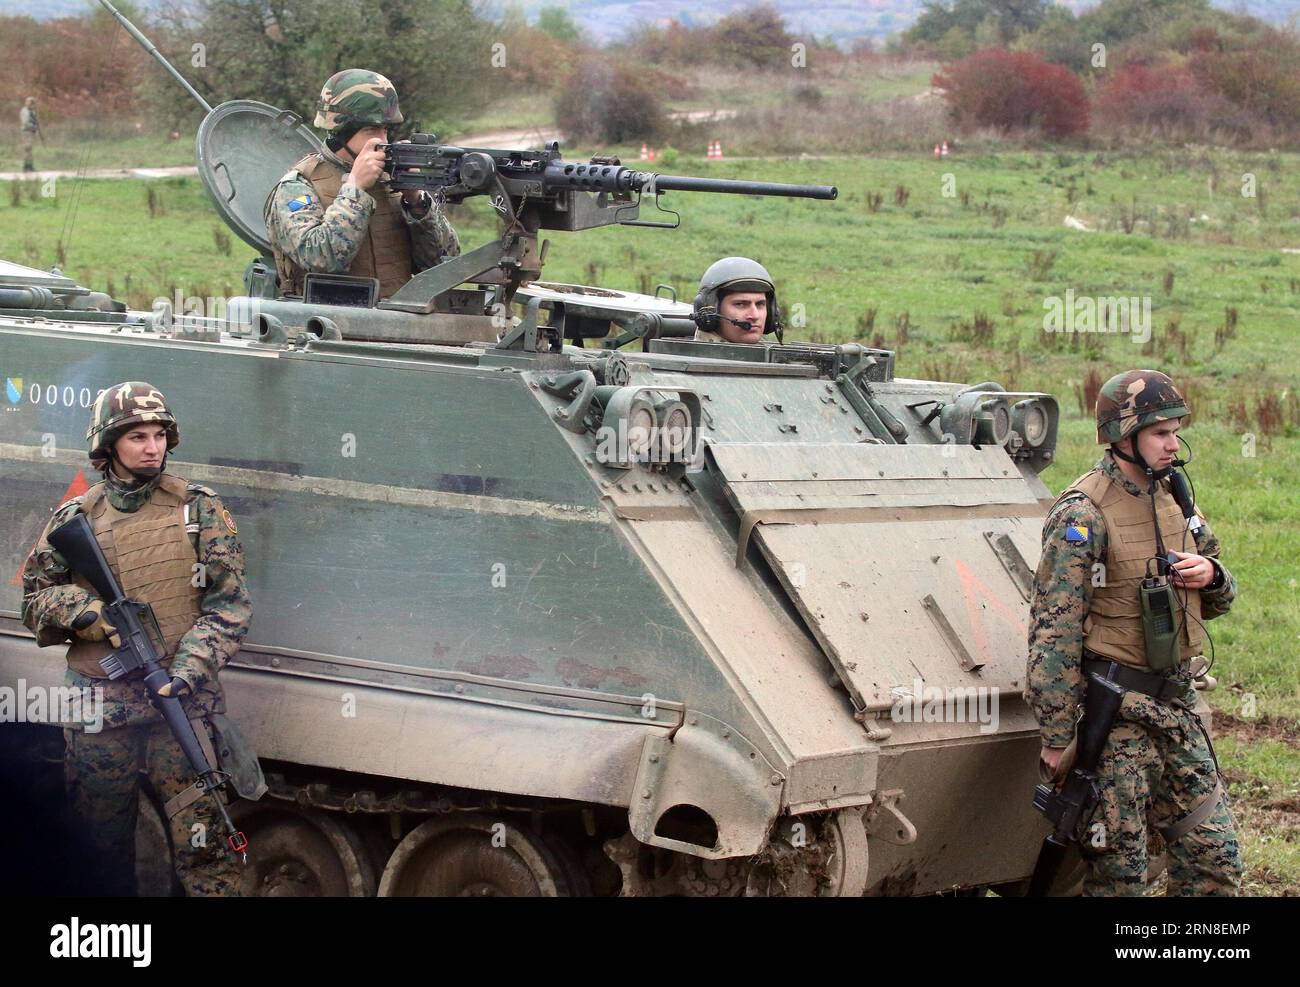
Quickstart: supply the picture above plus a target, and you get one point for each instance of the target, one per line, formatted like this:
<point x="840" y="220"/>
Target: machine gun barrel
<point x="684" y="183"/>
<point x="460" y="172"/>
<point x="597" y="177"/>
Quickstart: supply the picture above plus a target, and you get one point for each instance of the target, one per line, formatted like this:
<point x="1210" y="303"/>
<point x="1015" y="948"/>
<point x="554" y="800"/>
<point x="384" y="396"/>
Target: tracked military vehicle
<point x="551" y="598"/>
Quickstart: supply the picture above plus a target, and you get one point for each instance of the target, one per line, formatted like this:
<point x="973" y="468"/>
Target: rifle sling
<point x="1181" y="827"/>
<point x="1163" y="690"/>
<point x="184" y="799"/>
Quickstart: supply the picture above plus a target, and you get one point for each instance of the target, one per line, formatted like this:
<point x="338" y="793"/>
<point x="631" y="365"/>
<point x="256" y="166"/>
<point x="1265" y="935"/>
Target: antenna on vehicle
<point x="152" y="49"/>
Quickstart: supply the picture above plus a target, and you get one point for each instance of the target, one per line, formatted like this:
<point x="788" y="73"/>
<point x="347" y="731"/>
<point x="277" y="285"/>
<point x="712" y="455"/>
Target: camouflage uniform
<point x="28" y="128"/>
<point x="309" y="235"/>
<point x="102" y="768"/>
<point x="327" y="240"/>
<point x="1158" y="765"/>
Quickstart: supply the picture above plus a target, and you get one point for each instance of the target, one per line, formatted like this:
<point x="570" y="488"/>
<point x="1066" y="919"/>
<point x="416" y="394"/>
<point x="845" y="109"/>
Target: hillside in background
<point x="842" y="21"/>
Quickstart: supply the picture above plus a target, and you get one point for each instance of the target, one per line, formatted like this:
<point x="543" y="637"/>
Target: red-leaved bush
<point x="75" y="66"/>
<point x="1014" y="89"/>
<point x="1163" y="98"/>
<point x="1264" y="82"/>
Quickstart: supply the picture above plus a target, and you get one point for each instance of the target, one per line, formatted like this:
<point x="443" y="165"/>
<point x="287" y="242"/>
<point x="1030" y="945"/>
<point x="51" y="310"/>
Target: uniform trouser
<point x="1150" y="777"/>
<point x="103" y="781"/>
<point x="27" y="141"/>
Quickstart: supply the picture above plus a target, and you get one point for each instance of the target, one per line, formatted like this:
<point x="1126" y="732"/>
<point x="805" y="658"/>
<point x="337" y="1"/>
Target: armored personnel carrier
<point x="551" y="598"/>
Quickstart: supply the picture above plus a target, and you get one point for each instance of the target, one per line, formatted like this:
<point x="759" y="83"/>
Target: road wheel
<point x="302" y="853"/>
<point x="472" y="856"/>
<point x="846" y="870"/>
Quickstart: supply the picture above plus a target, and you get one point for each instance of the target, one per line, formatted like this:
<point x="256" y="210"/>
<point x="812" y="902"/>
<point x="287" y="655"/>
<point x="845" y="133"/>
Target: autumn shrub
<point x="753" y="37"/>
<point x="672" y="43"/>
<point x="75" y="66"/>
<point x="605" y="101"/>
<point x="1012" y="90"/>
<point x="535" y="58"/>
<point x="1263" y="81"/>
<point x="1165" y="99"/>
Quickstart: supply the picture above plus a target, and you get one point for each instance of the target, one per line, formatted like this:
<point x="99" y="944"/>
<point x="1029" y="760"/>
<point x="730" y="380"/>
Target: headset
<point x="338" y="140"/>
<point x="707" y="317"/>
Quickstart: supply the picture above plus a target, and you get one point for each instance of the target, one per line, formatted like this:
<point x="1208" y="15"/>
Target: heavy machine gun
<point x="245" y="147"/>
<point x="456" y="173"/>
<point x="537" y="190"/>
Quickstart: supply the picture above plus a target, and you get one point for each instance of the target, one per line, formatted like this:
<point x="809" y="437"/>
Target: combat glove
<point x="92" y="625"/>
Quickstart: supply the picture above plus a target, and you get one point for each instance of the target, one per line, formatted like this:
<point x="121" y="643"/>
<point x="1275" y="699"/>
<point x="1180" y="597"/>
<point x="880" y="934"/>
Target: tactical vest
<point x="1113" y="627"/>
<point x="153" y="558"/>
<point x="385" y="253"/>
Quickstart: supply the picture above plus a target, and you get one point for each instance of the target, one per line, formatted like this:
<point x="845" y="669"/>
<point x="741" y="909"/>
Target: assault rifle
<point x="1070" y="808"/>
<point x="76" y="542"/>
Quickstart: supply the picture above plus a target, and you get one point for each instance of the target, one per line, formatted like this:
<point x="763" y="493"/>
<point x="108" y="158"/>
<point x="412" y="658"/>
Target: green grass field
<point x="957" y="284"/>
<point x="66" y="150"/>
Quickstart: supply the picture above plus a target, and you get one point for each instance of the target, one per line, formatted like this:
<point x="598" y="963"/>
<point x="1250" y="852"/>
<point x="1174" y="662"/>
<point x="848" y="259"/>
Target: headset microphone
<point x="1183" y="496"/>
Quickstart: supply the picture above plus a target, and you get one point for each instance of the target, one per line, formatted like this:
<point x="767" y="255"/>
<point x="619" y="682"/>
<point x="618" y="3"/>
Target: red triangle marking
<point x="972" y="586"/>
<point x="76" y="488"/>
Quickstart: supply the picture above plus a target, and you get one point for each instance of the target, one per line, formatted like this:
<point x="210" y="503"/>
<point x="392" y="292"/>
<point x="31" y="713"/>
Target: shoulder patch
<point x="300" y="202"/>
<point x="1075" y="520"/>
<point x="229" y="522"/>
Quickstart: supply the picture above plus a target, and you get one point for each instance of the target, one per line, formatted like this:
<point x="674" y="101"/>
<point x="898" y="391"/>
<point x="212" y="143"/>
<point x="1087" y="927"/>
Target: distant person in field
<point x="29" y="127"/>
<point x="736" y="303"/>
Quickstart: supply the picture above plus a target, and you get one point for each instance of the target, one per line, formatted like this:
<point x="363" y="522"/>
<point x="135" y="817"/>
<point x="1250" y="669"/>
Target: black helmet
<point x="734" y="274"/>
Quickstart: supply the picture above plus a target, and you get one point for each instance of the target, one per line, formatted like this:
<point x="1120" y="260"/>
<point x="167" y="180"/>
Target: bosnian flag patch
<point x="302" y="202"/>
<point x="1078" y="533"/>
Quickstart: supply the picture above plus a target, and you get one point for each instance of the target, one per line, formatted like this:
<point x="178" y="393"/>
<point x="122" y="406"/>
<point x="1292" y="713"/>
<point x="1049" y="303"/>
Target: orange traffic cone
<point x="645" y="153"/>
<point x="937" y="152"/>
<point x="719" y="154"/>
<point x="944" y="152"/>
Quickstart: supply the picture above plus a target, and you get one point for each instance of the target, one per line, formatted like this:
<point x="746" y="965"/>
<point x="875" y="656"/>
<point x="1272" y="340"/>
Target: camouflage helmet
<point x="357" y="98"/>
<point x="133" y="402"/>
<point x="734" y="274"/>
<point x="1131" y="401"/>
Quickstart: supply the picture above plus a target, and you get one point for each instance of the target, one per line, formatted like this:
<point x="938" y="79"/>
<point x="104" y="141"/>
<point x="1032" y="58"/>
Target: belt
<point x="1157" y="686"/>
